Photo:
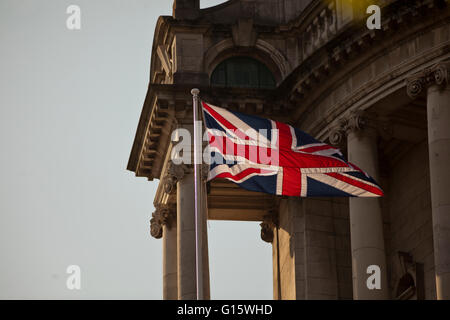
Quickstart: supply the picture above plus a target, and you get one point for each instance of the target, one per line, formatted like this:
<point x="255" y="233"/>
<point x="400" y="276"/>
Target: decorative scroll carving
<point x="178" y="171"/>
<point x="414" y="87"/>
<point x="163" y="215"/>
<point x="155" y="227"/>
<point x="442" y="74"/>
<point x="438" y="74"/>
<point x="174" y="174"/>
<point x="169" y="184"/>
<point x="354" y="121"/>
<point x="336" y="136"/>
<point x="267" y="226"/>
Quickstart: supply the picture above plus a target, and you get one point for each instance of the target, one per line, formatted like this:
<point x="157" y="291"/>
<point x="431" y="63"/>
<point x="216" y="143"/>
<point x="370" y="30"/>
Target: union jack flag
<point x="272" y="157"/>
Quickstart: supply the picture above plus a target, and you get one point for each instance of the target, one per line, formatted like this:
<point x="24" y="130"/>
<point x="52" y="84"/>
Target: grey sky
<point x="69" y="106"/>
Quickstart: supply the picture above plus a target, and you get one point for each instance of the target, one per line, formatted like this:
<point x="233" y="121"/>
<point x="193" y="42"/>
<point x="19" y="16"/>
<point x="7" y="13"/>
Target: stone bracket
<point x="269" y="223"/>
<point x="174" y="174"/>
<point x="163" y="215"/>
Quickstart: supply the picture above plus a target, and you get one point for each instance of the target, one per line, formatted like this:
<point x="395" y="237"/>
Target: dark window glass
<point x="242" y="72"/>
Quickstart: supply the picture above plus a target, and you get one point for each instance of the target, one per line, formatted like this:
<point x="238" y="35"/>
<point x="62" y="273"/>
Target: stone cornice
<point x="374" y="89"/>
<point x="151" y="139"/>
<point x="438" y="74"/>
<point x="164" y="215"/>
<point x="342" y="52"/>
<point x="166" y="105"/>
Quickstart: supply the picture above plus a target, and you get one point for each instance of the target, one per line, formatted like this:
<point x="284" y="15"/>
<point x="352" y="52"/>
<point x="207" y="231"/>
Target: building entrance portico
<point x="381" y="96"/>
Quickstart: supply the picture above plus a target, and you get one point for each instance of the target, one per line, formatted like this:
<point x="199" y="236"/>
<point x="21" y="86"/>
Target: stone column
<point x="366" y="223"/>
<point x="436" y="81"/>
<point x="186" y="238"/>
<point x="164" y="224"/>
<point x="186" y="264"/>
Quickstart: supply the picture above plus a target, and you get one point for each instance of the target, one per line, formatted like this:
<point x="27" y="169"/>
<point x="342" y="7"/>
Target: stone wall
<point x="314" y="250"/>
<point x="409" y="206"/>
<point x="284" y="258"/>
<point x="327" y="249"/>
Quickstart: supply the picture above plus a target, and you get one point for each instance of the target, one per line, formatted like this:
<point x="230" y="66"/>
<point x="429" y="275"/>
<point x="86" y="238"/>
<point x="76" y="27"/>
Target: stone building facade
<point x="382" y="96"/>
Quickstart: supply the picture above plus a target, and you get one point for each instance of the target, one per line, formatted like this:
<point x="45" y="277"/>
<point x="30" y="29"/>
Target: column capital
<point x="357" y="120"/>
<point x="164" y="214"/>
<point x="336" y="134"/>
<point x="439" y="75"/>
<point x="175" y="173"/>
<point x="269" y="223"/>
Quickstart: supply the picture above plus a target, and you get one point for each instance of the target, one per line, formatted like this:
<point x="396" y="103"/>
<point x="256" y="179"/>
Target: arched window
<point x="242" y="72"/>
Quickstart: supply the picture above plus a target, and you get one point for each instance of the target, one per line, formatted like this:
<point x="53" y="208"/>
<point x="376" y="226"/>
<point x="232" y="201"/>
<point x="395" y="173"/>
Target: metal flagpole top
<point x="195" y="92"/>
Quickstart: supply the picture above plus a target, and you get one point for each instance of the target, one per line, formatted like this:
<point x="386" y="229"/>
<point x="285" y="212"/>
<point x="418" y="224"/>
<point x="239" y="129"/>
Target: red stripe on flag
<point x="286" y="158"/>
<point x="308" y="160"/>
<point x="292" y="182"/>
<point x="284" y="136"/>
<point x="218" y="117"/>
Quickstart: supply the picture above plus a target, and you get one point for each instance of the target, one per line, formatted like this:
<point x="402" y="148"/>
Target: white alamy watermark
<point x="73" y="281"/>
<point x="73" y="22"/>
<point x="374" y="20"/>
<point x="374" y="281"/>
<point x="249" y="146"/>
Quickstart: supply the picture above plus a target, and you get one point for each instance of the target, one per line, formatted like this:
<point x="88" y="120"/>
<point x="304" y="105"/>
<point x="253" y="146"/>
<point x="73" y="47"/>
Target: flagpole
<point x="197" y="196"/>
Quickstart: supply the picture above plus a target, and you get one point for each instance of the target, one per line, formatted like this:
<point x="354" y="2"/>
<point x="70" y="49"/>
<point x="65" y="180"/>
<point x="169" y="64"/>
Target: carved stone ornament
<point x="354" y="121"/>
<point x="169" y="184"/>
<point x="438" y="74"/>
<point x="336" y="134"/>
<point x="163" y="215"/>
<point x="267" y="226"/>
<point x="156" y="230"/>
<point x="174" y="174"/>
